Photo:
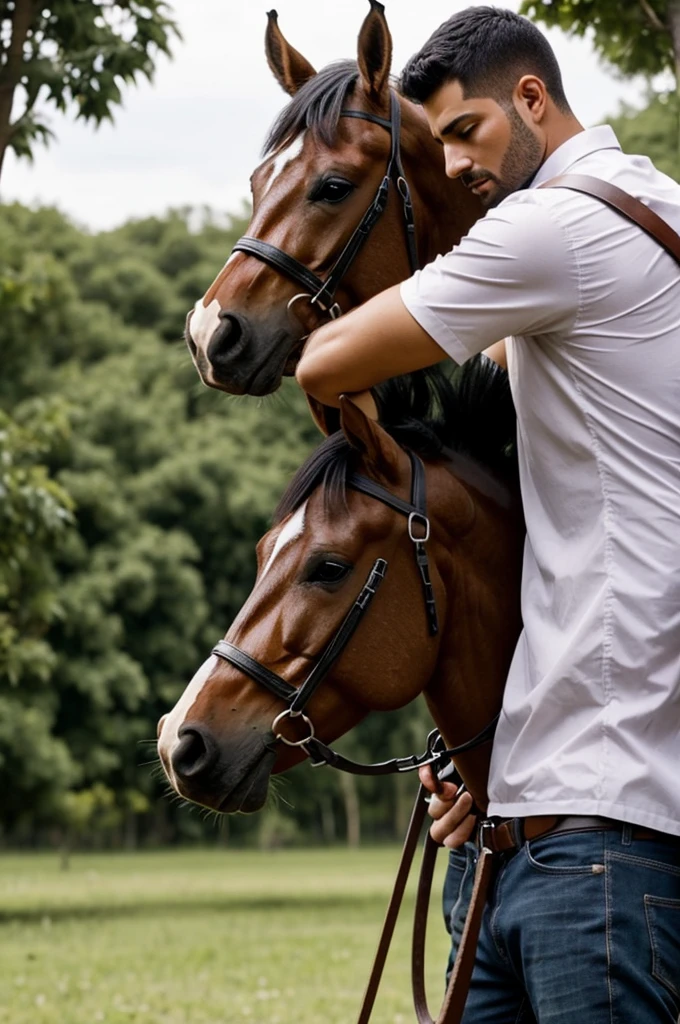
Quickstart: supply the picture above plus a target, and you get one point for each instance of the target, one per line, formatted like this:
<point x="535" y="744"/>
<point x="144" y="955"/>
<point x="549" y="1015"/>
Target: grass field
<point x="204" y="937"/>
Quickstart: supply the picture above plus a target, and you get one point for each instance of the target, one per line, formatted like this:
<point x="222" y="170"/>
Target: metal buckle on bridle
<point x="422" y="520"/>
<point x="293" y="714"/>
<point x="333" y="311"/>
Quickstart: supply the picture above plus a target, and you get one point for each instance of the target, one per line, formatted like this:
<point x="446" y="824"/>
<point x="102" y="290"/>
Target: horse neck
<point x="482" y="625"/>
<point x="444" y="210"/>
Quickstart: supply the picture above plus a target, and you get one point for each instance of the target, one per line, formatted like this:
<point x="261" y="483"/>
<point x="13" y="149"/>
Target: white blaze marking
<point x="283" y="158"/>
<point x="168" y="738"/>
<point x="204" y="321"/>
<point x="293" y="528"/>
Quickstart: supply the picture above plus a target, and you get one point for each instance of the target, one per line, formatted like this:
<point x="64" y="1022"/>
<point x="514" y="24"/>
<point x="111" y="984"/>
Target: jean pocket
<point x="457" y="886"/>
<point x="564" y="854"/>
<point x="663" y="925"/>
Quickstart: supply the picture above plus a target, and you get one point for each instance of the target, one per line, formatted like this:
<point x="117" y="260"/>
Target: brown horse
<point x="223" y="739"/>
<point x="326" y="158"/>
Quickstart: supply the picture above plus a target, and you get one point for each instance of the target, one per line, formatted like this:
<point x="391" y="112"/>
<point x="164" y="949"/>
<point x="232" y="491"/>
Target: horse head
<point x="346" y="536"/>
<point x="319" y="242"/>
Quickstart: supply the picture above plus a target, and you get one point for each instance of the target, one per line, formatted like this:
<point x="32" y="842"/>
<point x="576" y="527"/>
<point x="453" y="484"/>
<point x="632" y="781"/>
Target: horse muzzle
<point x="226" y="779"/>
<point x="243" y="358"/>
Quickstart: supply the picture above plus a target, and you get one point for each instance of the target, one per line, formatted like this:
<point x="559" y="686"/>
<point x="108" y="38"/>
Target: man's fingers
<point x="442" y="790"/>
<point x="448" y="817"/>
<point x="461" y="834"/>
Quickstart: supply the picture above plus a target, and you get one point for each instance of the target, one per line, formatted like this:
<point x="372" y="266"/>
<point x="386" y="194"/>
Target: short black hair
<point x="487" y="50"/>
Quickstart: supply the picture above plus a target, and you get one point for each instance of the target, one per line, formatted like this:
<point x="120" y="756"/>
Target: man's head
<point x="492" y="91"/>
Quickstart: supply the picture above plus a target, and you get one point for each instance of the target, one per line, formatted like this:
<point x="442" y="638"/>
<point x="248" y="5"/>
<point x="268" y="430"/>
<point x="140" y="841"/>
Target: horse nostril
<point x="195" y="753"/>
<point x="225" y="338"/>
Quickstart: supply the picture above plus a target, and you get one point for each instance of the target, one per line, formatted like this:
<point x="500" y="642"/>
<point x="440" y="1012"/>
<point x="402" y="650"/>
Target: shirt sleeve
<point x="514" y="273"/>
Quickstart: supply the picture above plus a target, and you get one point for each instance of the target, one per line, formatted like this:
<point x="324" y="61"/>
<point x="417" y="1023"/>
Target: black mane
<point x="431" y="413"/>
<point x="316" y="105"/>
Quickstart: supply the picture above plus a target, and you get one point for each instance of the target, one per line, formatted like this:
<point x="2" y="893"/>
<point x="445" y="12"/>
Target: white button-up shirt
<point x="591" y="712"/>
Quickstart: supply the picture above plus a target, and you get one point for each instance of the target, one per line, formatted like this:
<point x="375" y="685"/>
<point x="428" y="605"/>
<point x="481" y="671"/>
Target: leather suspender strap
<point x="627" y="205"/>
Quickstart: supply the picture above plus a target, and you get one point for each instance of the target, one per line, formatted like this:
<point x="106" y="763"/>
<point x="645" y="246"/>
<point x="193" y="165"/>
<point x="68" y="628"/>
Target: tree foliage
<point x="635" y="37"/>
<point x="651" y="131"/>
<point x="130" y="506"/>
<point x="72" y="53"/>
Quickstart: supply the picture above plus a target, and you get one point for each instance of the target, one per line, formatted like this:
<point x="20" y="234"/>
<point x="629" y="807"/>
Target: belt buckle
<point x="486" y="830"/>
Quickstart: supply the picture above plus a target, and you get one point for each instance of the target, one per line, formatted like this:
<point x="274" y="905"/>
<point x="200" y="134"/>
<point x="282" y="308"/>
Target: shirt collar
<point x="574" y="149"/>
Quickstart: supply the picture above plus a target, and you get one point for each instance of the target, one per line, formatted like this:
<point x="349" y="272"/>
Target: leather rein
<point x="322" y="292"/>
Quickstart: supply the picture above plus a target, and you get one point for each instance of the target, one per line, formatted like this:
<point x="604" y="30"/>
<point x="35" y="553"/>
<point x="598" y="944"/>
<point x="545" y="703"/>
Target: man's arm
<point x="377" y="340"/>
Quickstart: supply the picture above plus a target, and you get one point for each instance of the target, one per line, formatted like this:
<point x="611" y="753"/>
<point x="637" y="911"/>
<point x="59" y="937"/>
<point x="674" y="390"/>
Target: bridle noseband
<point x="321" y="292"/>
<point x="297" y="698"/>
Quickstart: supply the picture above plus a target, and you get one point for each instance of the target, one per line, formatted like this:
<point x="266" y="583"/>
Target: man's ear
<point x="375" y="52"/>
<point x="325" y="417"/>
<point x="531" y="94"/>
<point x="291" y="69"/>
<point x="385" y="461"/>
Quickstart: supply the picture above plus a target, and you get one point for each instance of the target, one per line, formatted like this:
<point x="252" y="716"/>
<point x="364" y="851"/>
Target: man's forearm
<point x="379" y="339"/>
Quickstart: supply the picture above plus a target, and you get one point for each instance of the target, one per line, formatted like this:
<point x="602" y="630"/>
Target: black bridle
<point x="297" y="698"/>
<point x="321" y="292"/>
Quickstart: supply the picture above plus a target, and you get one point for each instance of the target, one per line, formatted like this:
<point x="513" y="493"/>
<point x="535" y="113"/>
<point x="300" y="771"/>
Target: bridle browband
<point x="321" y="292"/>
<point x="297" y="698"/>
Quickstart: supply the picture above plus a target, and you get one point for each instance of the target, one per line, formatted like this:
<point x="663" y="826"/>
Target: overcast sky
<point x="193" y="135"/>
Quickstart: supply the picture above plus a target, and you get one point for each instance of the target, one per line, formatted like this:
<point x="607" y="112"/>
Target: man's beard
<point x="521" y="160"/>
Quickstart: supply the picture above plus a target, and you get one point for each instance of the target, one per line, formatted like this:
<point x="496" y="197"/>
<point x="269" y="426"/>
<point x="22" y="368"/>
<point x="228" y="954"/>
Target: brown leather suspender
<point x="626" y="205"/>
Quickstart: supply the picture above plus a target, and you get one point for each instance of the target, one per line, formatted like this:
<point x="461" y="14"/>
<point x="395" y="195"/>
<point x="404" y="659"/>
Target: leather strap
<point x="459" y="984"/>
<point x="627" y="205"/>
<point x="410" y="843"/>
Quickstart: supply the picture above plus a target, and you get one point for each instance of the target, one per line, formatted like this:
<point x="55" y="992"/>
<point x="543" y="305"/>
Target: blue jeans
<point x="580" y="927"/>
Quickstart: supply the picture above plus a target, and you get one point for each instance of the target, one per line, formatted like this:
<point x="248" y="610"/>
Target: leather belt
<point x="513" y="833"/>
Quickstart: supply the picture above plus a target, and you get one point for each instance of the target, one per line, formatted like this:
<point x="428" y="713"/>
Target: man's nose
<point x="456" y="163"/>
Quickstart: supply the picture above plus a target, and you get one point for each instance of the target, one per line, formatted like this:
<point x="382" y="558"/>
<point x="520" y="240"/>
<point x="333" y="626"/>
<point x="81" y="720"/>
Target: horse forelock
<point x="431" y="414"/>
<point x="316" y="106"/>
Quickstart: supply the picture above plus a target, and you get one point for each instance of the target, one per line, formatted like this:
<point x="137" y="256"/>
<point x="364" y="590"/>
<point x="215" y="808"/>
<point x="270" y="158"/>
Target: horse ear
<point x="291" y="69"/>
<point x="383" y="457"/>
<point x="375" y="51"/>
<point x="325" y="417"/>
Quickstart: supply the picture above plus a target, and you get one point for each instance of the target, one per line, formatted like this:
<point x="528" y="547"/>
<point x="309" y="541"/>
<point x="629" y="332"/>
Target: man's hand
<point x="453" y="824"/>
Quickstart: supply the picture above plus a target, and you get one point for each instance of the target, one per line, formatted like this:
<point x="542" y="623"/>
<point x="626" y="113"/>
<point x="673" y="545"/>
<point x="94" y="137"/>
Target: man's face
<point x="490" y="148"/>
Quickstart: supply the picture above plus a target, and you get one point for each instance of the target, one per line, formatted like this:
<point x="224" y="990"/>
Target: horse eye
<point x="328" y="572"/>
<point x="333" y="190"/>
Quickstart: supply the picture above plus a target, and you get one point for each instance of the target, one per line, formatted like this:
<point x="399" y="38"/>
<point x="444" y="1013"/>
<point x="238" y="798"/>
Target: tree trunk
<point x="348" y="788"/>
<point x="10" y="71"/>
<point x="405" y="789"/>
<point x="327" y="821"/>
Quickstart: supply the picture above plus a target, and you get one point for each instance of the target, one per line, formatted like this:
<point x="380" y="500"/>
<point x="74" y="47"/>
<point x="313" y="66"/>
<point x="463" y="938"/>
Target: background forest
<point x="131" y="500"/>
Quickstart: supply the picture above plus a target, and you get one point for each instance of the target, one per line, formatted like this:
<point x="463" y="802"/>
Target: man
<point x="584" y="921"/>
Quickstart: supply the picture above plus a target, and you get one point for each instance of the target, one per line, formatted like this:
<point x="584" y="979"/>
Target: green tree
<point x="72" y="53"/>
<point x="651" y="131"/>
<point x="635" y="37"/>
<point x="35" y="513"/>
